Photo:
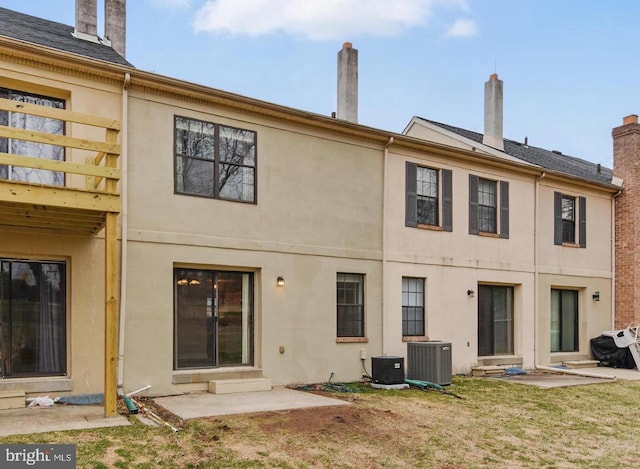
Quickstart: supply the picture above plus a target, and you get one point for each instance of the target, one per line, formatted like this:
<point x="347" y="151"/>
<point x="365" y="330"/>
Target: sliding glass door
<point x="32" y="318"/>
<point x="213" y="318"/>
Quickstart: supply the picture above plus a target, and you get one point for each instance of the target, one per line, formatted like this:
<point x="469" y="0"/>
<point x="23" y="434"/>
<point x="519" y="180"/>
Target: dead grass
<point x="496" y="425"/>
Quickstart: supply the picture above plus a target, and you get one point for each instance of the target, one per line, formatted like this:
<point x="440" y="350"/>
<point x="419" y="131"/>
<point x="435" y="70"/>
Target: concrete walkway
<point x="56" y="418"/>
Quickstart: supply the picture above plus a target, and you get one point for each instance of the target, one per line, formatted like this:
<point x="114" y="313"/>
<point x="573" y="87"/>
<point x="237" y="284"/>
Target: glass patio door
<point x="32" y="319"/>
<point x="564" y="320"/>
<point x="213" y="318"/>
<point x="495" y="320"/>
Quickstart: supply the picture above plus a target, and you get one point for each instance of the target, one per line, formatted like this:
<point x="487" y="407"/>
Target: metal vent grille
<point x="429" y="361"/>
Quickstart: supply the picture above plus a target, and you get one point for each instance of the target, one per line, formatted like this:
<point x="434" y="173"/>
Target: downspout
<point x="124" y="162"/>
<point x="385" y="283"/>
<point x="613" y="259"/>
<point x="536" y="270"/>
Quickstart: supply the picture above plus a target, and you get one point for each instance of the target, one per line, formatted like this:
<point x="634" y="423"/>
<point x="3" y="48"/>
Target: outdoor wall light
<point x="471" y="293"/>
<point x="280" y="282"/>
<point x="596" y="296"/>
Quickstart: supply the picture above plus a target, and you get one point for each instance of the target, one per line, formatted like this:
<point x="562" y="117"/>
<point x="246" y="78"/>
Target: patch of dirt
<point x="148" y="408"/>
<point x="321" y="419"/>
<point x="359" y="435"/>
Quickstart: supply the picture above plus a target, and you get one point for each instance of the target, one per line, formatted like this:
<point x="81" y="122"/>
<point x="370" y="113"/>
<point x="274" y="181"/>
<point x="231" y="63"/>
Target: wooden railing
<point x="100" y="169"/>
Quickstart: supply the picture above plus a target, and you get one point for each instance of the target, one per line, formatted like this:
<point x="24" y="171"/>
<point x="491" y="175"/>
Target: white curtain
<point x="51" y="327"/>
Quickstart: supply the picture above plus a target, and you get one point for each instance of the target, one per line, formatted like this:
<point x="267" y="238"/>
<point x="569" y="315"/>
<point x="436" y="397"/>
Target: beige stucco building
<point x="217" y="242"/>
<point x="560" y="277"/>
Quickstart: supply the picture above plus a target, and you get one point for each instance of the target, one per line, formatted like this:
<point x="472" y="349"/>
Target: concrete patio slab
<point x="189" y="406"/>
<point x="545" y="379"/>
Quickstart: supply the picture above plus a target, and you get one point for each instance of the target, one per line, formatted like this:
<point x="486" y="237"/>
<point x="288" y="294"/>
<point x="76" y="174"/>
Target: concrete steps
<point x="576" y="364"/>
<point x="228" y="386"/>
<point x="238" y="380"/>
<point x="12" y="400"/>
<point x="489" y="370"/>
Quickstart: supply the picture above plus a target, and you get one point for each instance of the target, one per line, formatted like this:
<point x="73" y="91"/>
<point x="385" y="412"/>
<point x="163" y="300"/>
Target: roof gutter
<point x="385" y="207"/>
<point x="536" y="268"/>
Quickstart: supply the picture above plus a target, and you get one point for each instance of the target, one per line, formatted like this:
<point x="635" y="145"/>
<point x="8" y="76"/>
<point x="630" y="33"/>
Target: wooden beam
<point x="40" y="217"/>
<point x="61" y="114"/>
<point x="59" y="140"/>
<point x="46" y="230"/>
<point x="63" y="213"/>
<point x="50" y="226"/>
<point x="14" y="192"/>
<point x="111" y="289"/>
<point x="111" y="316"/>
<point x="64" y="166"/>
<point x="49" y="219"/>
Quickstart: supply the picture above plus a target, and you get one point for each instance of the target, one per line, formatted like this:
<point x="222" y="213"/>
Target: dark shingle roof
<point x="55" y="35"/>
<point x="547" y="159"/>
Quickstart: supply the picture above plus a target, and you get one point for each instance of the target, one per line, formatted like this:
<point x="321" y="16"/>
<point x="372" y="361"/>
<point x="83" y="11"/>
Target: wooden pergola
<point x="85" y="208"/>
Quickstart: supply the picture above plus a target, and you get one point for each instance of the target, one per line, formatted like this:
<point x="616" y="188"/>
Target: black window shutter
<point x="582" y="223"/>
<point x="557" y="218"/>
<point x="473" y="204"/>
<point x="447" y="200"/>
<point x="504" y="209"/>
<point x="411" y="201"/>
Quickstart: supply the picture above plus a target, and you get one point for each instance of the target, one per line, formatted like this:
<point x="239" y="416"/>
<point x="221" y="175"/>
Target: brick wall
<point x="626" y="165"/>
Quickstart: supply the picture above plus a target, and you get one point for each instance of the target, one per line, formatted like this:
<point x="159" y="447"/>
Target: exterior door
<point x="213" y="318"/>
<point x="32" y="319"/>
<point x="495" y="320"/>
<point x="564" y="320"/>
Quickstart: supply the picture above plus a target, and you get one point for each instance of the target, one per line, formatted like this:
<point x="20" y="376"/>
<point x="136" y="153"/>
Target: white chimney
<point x="115" y="22"/>
<point x="348" y="83"/>
<point x="493" y="113"/>
<point x="86" y="20"/>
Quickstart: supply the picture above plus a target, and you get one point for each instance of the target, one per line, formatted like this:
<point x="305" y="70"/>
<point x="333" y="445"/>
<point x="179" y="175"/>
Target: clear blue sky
<point x="571" y="68"/>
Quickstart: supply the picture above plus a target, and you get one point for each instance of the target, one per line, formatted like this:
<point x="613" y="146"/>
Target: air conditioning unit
<point x="387" y="370"/>
<point x="429" y="361"/>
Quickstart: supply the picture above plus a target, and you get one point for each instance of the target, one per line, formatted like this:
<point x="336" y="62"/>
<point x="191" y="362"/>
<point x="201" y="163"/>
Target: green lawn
<point x="496" y="424"/>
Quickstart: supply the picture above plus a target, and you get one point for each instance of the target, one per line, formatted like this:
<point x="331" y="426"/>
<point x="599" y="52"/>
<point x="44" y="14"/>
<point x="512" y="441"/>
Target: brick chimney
<point x="493" y="113"/>
<point x="626" y="165"/>
<point x="86" y="20"/>
<point x="115" y="22"/>
<point x="348" y="83"/>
